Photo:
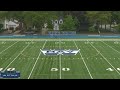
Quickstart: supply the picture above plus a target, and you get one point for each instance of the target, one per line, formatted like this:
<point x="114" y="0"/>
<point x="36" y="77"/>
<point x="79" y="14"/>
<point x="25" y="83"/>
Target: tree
<point x="99" y="18"/>
<point x="38" y="18"/>
<point x="105" y="18"/>
<point x="69" y="23"/>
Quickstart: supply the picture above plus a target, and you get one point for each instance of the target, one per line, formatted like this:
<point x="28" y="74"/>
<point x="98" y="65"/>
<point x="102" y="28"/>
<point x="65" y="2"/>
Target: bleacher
<point x="61" y="32"/>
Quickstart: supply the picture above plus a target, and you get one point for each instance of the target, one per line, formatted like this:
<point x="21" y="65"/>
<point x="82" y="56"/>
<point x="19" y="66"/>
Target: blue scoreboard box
<point x="9" y="74"/>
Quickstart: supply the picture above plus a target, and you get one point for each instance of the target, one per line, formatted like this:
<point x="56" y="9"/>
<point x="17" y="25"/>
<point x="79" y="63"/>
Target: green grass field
<point x="98" y="58"/>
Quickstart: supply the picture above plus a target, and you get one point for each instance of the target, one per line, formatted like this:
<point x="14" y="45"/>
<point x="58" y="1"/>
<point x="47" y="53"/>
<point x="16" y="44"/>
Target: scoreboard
<point x="9" y="73"/>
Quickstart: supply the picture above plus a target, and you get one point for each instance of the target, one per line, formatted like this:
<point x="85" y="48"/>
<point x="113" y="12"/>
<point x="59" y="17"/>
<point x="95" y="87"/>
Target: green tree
<point x="68" y="23"/>
<point x="92" y="29"/>
<point x="99" y="18"/>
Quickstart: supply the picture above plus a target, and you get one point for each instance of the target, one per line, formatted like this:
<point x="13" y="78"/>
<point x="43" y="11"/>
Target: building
<point x="7" y="24"/>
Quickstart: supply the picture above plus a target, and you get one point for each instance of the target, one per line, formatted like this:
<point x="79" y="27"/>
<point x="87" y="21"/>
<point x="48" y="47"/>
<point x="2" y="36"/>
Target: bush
<point x="1" y="26"/>
<point x="11" y="28"/>
<point x="92" y="29"/>
<point x="117" y="28"/>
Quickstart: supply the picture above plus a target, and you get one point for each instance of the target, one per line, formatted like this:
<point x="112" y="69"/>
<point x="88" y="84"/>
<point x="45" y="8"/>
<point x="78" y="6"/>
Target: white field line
<point x="8" y="47"/>
<point x="84" y="61"/>
<point x="105" y="58"/>
<point x="16" y="57"/>
<point x="111" y="47"/>
<point x="60" y="59"/>
<point x="38" y="39"/>
<point x="75" y="74"/>
<point x="36" y="61"/>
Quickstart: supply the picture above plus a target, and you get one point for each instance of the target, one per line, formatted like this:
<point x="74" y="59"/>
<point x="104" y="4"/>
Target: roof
<point x="11" y="23"/>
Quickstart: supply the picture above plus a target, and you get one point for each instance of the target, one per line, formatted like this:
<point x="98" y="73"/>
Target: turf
<point x="95" y="57"/>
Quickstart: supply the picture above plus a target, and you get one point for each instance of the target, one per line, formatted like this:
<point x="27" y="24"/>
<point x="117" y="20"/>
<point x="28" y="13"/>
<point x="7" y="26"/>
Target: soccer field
<point x="97" y="59"/>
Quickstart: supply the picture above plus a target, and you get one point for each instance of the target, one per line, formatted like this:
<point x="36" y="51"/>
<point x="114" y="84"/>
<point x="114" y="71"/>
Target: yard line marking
<point x="84" y="61"/>
<point x="9" y="47"/>
<point x="105" y="58"/>
<point x="110" y="47"/>
<point x="75" y="74"/>
<point x="16" y="57"/>
<point x="61" y="39"/>
<point x="60" y="59"/>
<point x="36" y="61"/>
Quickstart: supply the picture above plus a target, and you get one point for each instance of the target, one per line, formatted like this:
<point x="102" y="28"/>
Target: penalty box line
<point x="110" y="47"/>
<point x="36" y="61"/>
<point x="84" y="61"/>
<point x="104" y="58"/>
<point x="8" y="47"/>
<point x="16" y="57"/>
